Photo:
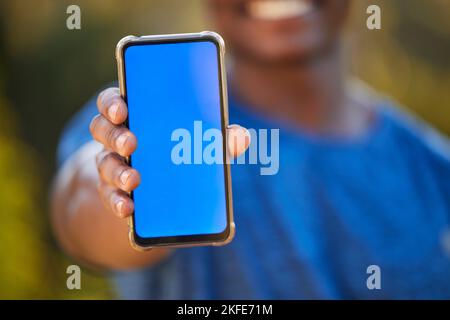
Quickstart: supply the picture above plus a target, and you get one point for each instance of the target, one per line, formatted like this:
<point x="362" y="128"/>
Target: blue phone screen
<point x="173" y="93"/>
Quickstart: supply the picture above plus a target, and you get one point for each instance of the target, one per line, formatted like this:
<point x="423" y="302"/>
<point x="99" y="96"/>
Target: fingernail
<point x="124" y="176"/>
<point x="120" y="142"/>
<point x="119" y="206"/>
<point x="112" y="111"/>
<point x="232" y="126"/>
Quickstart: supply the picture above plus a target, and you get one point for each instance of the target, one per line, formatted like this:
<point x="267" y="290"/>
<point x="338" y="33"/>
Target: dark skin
<point x="286" y="68"/>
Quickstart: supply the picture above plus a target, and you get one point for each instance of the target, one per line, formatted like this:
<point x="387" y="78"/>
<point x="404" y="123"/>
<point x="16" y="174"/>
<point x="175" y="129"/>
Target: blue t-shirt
<point x="334" y="209"/>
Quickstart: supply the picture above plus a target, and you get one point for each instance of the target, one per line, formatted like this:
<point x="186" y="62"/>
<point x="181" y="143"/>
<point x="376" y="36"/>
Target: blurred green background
<point x="48" y="72"/>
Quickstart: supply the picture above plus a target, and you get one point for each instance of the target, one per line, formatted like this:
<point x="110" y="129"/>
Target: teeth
<point x="278" y="9"/>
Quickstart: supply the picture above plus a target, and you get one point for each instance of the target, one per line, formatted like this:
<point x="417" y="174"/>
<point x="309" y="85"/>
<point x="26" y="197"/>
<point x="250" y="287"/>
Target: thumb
<point x="238" y="140"/>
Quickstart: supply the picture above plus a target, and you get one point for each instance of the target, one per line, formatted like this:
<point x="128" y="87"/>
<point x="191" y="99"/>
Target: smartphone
<point x="175" y="89"/>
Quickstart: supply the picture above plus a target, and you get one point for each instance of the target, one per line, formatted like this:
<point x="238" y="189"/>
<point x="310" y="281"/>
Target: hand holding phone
<point x="117" y="178"/>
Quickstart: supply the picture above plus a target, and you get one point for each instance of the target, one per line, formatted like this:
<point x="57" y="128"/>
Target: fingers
<point x="116" y="177"/>
<point x="238" y="140"/>
<point x="117" y="200"/>
<point x="116" y="138"/>
<point x="106" y="128"/>
<point x="114" y="171"/>
<point x="111" y="105"/>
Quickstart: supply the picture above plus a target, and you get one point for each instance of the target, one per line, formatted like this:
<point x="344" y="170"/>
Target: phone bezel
<point x="142" y="243"/>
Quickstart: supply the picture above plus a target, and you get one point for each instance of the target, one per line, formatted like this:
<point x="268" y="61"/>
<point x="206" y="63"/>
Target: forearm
<point x="85" y="228"/>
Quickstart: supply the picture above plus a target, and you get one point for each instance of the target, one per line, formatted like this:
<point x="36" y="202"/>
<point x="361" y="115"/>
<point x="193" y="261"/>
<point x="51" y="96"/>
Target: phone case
<point x="120" y="67"/>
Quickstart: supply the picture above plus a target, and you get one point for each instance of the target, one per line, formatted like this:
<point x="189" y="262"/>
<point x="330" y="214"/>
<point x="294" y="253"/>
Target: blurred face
<point x="279" y="31"/>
